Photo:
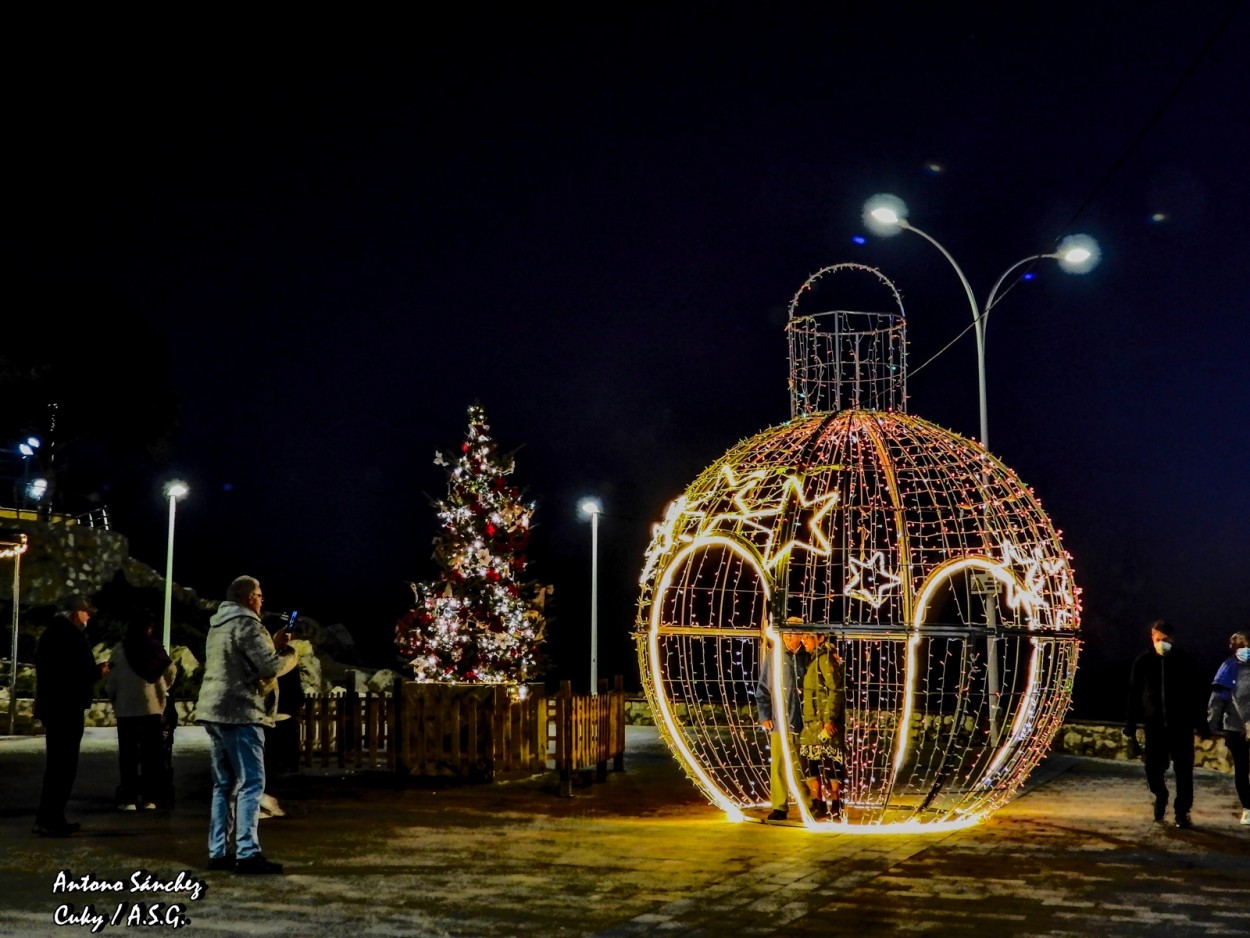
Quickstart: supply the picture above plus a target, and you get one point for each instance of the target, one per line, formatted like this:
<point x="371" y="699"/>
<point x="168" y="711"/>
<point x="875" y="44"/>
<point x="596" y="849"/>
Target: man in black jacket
<point x="65" y="675"/>
<point x="1166" y="697"/>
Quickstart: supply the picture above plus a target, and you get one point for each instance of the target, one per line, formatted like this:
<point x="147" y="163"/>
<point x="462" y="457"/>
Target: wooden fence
<point x="587" y="731"/>
<point x="475" y="731"/>
<point x="478" y="732"/>
<point x="350" y="730"/>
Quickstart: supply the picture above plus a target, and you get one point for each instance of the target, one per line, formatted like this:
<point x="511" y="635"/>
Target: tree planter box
<point x="475" y="732"/>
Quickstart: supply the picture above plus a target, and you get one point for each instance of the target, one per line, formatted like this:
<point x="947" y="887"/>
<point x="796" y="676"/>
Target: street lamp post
<point x="592" y="507"/>
<point x="1077" y="254"/>
<point x="176" y="491"/>
<point x="13" y="544"/>
<point x="886" y="215"/>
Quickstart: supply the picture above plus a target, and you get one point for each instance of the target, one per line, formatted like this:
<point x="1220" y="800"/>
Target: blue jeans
<point x="238" y="783"/>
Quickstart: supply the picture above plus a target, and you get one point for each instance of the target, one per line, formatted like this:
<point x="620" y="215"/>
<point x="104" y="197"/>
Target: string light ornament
<point x="478" y="621"/>
<point x="930" y="568"/>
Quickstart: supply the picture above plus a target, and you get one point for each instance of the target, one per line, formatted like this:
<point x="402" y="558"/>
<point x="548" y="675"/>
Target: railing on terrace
<point x="95" y="518"/>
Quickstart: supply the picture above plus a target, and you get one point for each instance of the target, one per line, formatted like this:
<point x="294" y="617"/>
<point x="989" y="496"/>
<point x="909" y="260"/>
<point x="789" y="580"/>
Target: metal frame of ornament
<point x="927" y="563"/>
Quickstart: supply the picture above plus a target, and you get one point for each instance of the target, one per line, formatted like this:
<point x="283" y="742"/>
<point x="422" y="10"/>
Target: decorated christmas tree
<point x="479" y="620"/>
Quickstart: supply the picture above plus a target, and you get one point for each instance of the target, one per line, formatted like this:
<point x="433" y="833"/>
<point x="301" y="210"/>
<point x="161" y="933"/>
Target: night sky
<point x="317" y="245"/>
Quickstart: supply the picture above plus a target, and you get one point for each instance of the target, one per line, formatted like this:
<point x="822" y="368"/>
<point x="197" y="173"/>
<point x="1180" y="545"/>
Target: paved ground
<point x="642" y="854"/>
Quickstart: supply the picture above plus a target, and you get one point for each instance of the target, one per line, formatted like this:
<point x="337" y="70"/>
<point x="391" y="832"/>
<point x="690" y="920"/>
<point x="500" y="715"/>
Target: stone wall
<point x="1106" y="741"/>
<point x="101" y="710"/>
<point x="63" y="558"/>
<point x="1097" y="739"/>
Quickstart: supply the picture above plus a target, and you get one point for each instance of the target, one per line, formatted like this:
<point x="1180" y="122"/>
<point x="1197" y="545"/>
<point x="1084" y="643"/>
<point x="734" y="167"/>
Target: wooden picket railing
<point x="478" y="732"/>
<point x="586" y="731"/>
<point x="350" y="730"/>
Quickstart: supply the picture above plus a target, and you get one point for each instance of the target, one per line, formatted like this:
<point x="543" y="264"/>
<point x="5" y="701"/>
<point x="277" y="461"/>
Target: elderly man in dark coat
<point x="1166" y="696"/>
<point x="65" y="675"/>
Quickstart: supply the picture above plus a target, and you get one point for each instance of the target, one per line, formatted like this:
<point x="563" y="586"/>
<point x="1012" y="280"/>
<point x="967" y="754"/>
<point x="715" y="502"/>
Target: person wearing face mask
<point x="1165" y="700"/>
<point x="1228" y="714"/>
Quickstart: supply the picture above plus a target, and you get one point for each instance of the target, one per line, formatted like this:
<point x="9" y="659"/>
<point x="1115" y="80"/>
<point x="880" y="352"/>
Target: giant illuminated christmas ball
<point x="930" y="567"/>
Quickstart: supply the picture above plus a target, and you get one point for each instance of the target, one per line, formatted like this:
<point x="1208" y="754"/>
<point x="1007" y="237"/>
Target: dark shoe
<point x="1183" y="821"/>
<point x="777" y="814"/>
<point x="820" y="811"/>
<point x="1161" y="807"/>
<point x="257" y="864"/>
<point x="221" y="863"/>
<point x="63" y="829"/>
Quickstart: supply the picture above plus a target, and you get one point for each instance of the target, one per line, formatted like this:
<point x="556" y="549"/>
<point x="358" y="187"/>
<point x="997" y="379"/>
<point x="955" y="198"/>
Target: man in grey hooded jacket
<point x="241" y="663"/>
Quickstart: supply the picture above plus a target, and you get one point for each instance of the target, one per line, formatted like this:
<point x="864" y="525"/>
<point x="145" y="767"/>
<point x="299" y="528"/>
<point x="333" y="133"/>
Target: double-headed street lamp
<point x="1077" y="254"/>
<point x="886" y="215"/>
<point x="175" y="491"/>
<point x="592" y="508"/>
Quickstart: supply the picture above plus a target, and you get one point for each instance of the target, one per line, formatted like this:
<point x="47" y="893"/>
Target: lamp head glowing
<point x="177" y="489"/>
<point x="885" y="214"/>
<point x="590" y="507"/>
<point x="1078" y="254"/>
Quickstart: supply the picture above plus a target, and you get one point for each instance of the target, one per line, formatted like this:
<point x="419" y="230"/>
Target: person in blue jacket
<point x="1228" y="714"/>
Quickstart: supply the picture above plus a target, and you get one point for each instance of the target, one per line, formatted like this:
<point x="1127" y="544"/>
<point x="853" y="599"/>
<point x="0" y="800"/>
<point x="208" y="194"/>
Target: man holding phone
<point x="240" y="660"/>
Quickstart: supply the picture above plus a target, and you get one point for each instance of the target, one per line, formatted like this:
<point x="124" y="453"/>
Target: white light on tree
<point x="481" y="619"/>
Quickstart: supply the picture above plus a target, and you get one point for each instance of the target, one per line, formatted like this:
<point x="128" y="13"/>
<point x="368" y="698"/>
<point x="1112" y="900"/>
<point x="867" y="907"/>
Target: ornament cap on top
<point x="844" y="359"/>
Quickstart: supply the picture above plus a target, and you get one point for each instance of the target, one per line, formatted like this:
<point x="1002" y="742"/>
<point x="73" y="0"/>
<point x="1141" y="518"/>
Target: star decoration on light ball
<point x="1025" y="595"/>
<point x="786" y="508"/>
<point x="871" y="580"/>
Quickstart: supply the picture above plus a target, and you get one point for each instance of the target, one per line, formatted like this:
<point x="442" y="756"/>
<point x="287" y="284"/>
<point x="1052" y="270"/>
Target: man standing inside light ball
<point x="1165" y="699"/>
<point x="785" y="717"/>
